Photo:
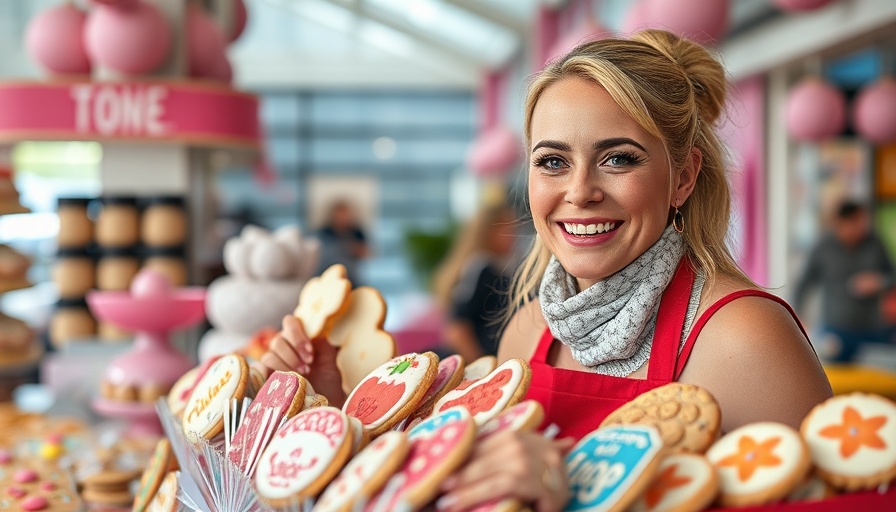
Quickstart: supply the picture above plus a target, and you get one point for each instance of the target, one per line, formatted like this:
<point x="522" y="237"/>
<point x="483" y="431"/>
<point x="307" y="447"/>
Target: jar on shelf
<point x="111" y="333"/>
<point x="116" y="267"/>
<point x="71" y="320"/>
<point x="163" y="222"/>
<point x="118" y="222"/>
<point x="169" y="261"/>
<point x="75" y="226"/>
<point x="74" y="272"/>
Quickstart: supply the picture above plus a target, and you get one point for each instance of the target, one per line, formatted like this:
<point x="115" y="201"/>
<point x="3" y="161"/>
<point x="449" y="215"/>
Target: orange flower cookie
<point x="359" y="332"/>
<point x="504" y="387"/>
<point x="684" y="482"/>
<point x="687" y="416"/>
<point x="392" y="392"/>
<point x="322" y="299"/>
<point x="759" y="463"/>
<point x="852" y="439"/>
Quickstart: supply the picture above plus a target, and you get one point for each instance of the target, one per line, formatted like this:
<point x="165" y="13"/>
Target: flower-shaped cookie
<point x="322" y="299"/>
<point x="359" y="332"/>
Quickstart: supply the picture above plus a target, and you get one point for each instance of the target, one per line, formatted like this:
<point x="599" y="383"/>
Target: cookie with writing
<point x="392" y="392"/>
<point x="524" y="416"/>
<point x="687" y="416"/>
<point x="609" y="468"/>
<point x="684" y="482"/>
<point x="153" y="475"/>
<point x="280" y="397"/>
<point x="225" y="379"/>
<point x="431" y="459"/>
<point x="505" y="386"/>
<point x="165" y="499"/>
<point x="365" y="474"/>
<point x="433" y="423"/>
<point x="759" y="463"/>
<point x="359" y="331"/>
<point x="179" y="394"/>
<point x="451" y="373"/>
<point x="306" y="453"/>
<point x="852" y="440"/>
<point x="322" y="299"/>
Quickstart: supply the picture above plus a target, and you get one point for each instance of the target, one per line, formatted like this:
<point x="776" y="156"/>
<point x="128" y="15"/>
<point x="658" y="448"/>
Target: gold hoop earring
<point x="678" y="219"/>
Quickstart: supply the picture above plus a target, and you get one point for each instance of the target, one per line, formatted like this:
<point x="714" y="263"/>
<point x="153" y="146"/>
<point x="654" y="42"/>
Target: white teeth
<point x="589" y="229"/>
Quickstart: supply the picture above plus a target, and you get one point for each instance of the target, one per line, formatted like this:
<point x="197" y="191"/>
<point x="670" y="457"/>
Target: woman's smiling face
<point x="599" y="186"/>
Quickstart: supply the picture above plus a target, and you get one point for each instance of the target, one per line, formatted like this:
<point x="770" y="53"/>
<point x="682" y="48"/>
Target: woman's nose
<point x="583" y="188"/>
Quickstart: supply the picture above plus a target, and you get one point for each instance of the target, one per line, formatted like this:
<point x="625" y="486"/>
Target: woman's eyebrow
<point x="617" y="141"/>
<point x="553" y="144"/>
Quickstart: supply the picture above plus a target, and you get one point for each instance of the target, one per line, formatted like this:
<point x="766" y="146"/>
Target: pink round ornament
<point x="240" y="17"/>
<point x="494" y="152"/>
<point x="55" y="39"/>
<point x="815" y="110"/>
<point x="800" y="5"/>
<point x="133" y="41"/>
<point x="588" y="31"/>
<point x="874" y="111"/>
<point x="636" y="18"/>
<point x="150" y="283"/>
<point x="205" y="42"/>
<point x="704" y="21"/>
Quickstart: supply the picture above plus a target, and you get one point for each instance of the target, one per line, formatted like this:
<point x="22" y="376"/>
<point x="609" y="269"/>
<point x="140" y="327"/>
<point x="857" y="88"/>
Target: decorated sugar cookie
<point x="165" y="499"/>
<point x="153" y="475"/>
<point x="610" y="467"/>
<point x="478" y="369"/>
<point x="180" y="392"/>
<point x="759" y="463"/>
<point x="687" y="416"/>
<point x="814" y="488"/>
<point x="684" y="482"/>
<point x="524" y="416"/>
<point x="313" y="400"/>
<point x="433" y="423"/>
<point x="225" y="379"/>
<point x="305" y="454"/>
<point x="365" y="474"/>
<point x="451" y="373"/>
<point x="487" y="397"/>
<point x="852" y="440"/>
<point x="280" y="397"/>
<point x="431" y="459"/>
<point x="359" y="331"/>
<point x="360" y="436"/>
<point x="505" y="505"/>
<point x="322" y="299"/>
<point x="392" y="392"/>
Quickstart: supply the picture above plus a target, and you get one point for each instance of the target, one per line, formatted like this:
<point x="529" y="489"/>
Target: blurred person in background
<point x="851" y="266"/>
<point x="472" y="283"/>
<point x="342" y="240"/>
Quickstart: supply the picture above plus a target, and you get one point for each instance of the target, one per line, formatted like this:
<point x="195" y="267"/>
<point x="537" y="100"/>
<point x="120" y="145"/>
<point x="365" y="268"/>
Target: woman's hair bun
<point x="704" y="71"/>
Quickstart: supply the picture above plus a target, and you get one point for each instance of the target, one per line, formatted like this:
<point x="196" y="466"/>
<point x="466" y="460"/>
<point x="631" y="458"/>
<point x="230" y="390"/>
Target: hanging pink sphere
<point x="704" y="21"/>
<point x="874" y="111"/>
<point x="222" y="71"/>
<point x="55" y="39"/>
<point x="133" y="41"/>
<point x="800" y="5"/>
<point x="588" y="31"/>
<point x="205" y="42"/>
<point x="240" y="16"/>
<point x="494" y="152"/>
<point x="636" y="18"/>
<point x="815" y="110"/>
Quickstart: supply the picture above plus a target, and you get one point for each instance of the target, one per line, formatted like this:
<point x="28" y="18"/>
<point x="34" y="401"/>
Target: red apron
<point x="577" y="402"/>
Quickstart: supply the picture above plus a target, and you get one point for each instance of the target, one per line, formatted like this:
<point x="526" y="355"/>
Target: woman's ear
<point x="687" y="178"/>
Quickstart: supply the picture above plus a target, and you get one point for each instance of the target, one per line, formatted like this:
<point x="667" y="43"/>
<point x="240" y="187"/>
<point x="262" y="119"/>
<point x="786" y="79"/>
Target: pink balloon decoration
<point x="874" y="111"/>
<point x="800" y="5"/>
<point x="205" y="42"/>
<point x="132" y="41"/>
<point x="55" y="39"/>
<point x="494" y="152"/>
<point x="240" y="17"/>
<point x="588" y="31"/>
<point x="636" y="18"/>
<point x="704" y="21"/>
<point x="815" y="110"/>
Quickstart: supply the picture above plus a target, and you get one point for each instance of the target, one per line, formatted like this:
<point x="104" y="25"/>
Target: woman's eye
<point x="551" y="163"/>
<point x="621" y="160"/>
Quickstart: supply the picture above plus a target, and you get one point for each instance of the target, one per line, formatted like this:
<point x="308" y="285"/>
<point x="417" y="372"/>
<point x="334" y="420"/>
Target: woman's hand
<point x="521" y="465"/>
<point x="292" y="350"/>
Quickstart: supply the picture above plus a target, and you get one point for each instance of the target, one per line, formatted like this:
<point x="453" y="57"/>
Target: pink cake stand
<point x="151" y="309"/>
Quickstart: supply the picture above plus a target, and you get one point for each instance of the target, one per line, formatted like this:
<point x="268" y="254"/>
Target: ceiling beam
<point x="483" y="10"/>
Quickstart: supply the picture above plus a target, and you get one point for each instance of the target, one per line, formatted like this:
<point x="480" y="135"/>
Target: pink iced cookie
<point x="451" y="373"/>
<point x="25" y="476"/>
<point x="305" y="454"/>
<point x="432" y="458"/>
<point x="35" y="503"/>
<point x="16" y="492"/>
<point x="5" y="456"/>
<point x="524" y="416"/>
<point x="505" y="386"/>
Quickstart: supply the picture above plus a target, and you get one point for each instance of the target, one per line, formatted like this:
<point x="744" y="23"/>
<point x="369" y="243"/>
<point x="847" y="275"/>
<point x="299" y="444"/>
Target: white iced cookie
<point x="524" y="416"/>
<point x="505" y="386"/>
<point x="359" y="331"/>
<point x="225" y="379"/>
<point x="684" y="482"/>
<point x="322" y="299"/>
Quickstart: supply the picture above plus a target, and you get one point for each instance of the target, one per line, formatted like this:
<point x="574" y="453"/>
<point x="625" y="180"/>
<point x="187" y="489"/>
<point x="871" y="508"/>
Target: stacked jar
<point x="163" y="235"/>
<point x="73" y="272"/>
<point x="118" y="246"/>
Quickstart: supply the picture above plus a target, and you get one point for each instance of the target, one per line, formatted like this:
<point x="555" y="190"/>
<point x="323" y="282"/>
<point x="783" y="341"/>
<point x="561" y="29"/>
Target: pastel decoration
<point x="123" y="4"/>
<point x="205" y="42"/>
<point x="609" y="467"/>
<point x="305" y="454"/>
<point x="240" y="17"/>
<point x="495" y="152"/>
<point x="150" y="283"/>
<point x="484" y="399"/>
<point x="874" y="111"/>
<point x="684" y="481"/>
<point x="800" y="5"/>
<point x="365" y="474"/>
<point x="435" y="422"/>
<point x="132" y="41"/>
<point x="524" y="416"/>
<point x="635" y="18"/>
<point x="225" y="379"/>
<point x="815" y="110"/>
<point x="704" y="21"/>
<point x="55" y="39"/>
<point x="589" y="30"/>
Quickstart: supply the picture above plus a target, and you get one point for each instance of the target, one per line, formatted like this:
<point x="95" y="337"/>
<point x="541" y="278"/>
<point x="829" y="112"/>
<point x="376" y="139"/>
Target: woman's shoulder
<point x="522" y="333"/>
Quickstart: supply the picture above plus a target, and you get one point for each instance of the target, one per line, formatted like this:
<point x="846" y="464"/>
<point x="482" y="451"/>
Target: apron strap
<point x="544" y="346"/>
<point x="670" y="324"/>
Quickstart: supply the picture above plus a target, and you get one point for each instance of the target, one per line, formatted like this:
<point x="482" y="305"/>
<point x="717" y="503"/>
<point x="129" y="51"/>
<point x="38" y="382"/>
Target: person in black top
<point x="342" y="240"/>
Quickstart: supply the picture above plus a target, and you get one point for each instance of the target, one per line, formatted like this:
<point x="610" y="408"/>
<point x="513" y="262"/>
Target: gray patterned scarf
<point x="608" y="326"/>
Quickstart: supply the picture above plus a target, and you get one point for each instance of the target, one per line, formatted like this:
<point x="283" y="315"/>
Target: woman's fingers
<point x="286" y="353"/>
<point x="294" y="333"/>
<point x="273" y="361"/>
